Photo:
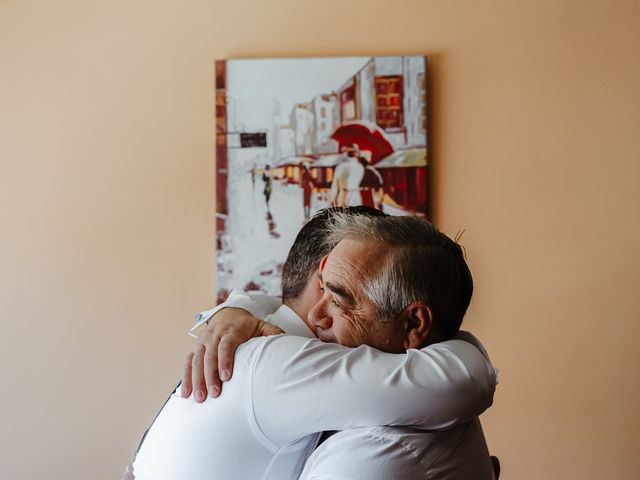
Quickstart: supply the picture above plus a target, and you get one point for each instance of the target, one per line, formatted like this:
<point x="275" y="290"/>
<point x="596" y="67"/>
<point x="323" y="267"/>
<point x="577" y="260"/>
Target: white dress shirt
<point x="384" y="453"/>
<point x="286" y="388"/>
<point x="400" y="453"/>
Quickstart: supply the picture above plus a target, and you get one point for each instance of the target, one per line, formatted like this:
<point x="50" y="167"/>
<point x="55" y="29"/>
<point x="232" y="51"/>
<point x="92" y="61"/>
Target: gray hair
<point x="310" y="246"/>
<point x="422" y="264"/>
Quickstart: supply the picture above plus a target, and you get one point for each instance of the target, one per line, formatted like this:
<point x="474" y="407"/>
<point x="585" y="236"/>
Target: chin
<point x="326" y="337"/>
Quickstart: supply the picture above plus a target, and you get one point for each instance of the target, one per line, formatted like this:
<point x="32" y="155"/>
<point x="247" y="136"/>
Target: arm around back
<point x="301" y="386"/>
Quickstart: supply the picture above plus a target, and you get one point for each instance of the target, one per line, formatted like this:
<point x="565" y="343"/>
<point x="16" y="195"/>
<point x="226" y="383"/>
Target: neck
<point x="301" y="307"/>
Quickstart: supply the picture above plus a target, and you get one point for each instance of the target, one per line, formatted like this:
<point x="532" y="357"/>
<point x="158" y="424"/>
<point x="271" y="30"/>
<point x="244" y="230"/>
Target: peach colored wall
<point x="106" y="201"/>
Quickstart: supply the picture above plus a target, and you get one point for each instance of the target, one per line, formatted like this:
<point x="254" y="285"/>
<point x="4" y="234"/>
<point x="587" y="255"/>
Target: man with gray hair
<point x="414" y="280"/>
<point x="401" y="271"/>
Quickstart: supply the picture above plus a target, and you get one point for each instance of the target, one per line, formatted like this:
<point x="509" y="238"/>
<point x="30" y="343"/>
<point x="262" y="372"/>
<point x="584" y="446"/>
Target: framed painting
<point x="297" y="135"/>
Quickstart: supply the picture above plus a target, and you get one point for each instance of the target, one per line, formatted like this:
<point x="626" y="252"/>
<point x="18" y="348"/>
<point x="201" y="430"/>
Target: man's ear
<point x="323" y="262"/>
<point x="419" y="320"/>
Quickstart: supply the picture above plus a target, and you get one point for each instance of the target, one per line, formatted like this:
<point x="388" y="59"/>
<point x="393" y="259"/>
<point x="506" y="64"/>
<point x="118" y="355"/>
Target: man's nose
<point x="318" y="315"/>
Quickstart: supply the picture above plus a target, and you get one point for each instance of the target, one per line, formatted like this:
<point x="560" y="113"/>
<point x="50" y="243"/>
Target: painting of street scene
<point x="297" y="135"/>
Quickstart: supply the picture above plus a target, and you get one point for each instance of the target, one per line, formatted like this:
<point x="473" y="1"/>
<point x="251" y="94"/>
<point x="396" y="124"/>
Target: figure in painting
<point x="254" y="174"/>
<point x="371" y="186"/>
<point x="268" y="184"/>
<point x="345" y="187"/>
<point x="306" y="181"/>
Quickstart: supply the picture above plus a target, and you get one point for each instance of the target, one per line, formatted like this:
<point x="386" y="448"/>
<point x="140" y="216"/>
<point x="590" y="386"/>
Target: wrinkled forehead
<point x="352" y="262"/>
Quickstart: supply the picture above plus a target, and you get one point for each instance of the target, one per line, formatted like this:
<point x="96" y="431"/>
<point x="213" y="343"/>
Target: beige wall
<point x="106" y="201"/>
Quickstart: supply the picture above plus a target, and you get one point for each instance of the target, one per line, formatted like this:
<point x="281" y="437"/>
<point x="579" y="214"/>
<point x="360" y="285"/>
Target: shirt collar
<point x="290" y="322"/>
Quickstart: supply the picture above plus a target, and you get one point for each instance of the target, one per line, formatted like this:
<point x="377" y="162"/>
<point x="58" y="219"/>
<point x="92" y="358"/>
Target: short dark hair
<point x="310" y="246"/>
<point x="422" y="264"/>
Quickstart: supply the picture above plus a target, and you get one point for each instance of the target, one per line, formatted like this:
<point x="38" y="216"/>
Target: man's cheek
<point x="348" y="339"/>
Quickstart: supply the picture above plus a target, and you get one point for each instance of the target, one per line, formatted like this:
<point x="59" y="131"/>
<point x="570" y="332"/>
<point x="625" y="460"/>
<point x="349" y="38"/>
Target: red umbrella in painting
<point x="367" y="135"/>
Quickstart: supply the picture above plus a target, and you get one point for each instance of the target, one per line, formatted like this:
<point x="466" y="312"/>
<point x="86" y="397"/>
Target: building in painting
<point x="303" y="122"/>
<point x="388" y="95"/>
<point x="221" y="149"/>
<point x="326" y="114"/>
<point x="390" y="92"/>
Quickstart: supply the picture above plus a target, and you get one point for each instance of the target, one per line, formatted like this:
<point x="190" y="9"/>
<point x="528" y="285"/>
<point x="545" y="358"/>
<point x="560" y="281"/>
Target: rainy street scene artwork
<point x="297" y="135"/>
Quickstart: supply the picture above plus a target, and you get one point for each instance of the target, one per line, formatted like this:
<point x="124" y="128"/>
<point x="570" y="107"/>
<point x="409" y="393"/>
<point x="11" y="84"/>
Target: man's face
<point x="344" y="313"/>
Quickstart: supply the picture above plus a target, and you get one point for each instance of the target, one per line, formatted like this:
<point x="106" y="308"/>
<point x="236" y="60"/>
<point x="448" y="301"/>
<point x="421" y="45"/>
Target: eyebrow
<point x="342" y="292"/>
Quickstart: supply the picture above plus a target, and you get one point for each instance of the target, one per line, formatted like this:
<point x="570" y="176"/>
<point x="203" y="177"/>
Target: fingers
<point x="197" y="374"/>
<point x="213" y="383"/>
<point x="212" y="359"/>
<point x="186" y="389"/>
<point x="229" y="342"/>
<point x="226" y="353"/>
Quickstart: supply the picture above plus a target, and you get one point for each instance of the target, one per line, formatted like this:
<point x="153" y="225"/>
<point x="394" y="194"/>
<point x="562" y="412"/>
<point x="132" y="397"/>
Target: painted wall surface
<point x="107" y="201"/>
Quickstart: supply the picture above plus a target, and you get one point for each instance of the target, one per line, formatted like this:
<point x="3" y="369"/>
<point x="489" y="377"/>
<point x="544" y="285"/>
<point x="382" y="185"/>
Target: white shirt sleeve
<point x="301" y="386"/>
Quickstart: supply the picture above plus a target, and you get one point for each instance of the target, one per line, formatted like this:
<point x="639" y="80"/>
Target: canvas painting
<point x="297" y="135"/>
